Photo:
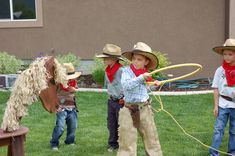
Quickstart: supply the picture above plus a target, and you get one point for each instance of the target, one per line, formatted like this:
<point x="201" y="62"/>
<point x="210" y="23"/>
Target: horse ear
<point x="51" y="58"/>
<point x="53" y="52"/>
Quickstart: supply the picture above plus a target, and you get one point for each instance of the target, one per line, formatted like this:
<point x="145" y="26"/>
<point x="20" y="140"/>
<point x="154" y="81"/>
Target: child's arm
<point x="216" y="101"/>
<point x="129" y="83"/>
<point x="157" y="83"/>
<point x="147" y="76"/>
<point x="72" y="86"/>
<point x="72" y="89"/>
<point x="215" y="85"/>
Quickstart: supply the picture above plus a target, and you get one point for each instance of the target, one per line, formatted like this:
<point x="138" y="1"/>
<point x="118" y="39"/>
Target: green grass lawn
<point x="193" y="112"/>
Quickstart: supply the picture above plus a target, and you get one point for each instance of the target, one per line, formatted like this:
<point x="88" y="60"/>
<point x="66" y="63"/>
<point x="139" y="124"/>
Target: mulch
<point x="86" y="81"/>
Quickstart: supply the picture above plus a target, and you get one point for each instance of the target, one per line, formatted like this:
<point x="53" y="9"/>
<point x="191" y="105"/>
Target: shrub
<point x="125" y="62"/>
<point x="9" y="64"/>
<point x="98" y="72"/>
<point x="25" y="64"/>
<point x="98" y="76"/>
<point x="75" y="60"/>
<point x="163" y="62"/>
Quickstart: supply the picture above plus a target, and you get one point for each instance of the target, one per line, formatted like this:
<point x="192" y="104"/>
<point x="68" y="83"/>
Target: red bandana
<point x="71" y="83"/>
<point x="138" y="72"/>
<point x="111" y="71"/>
<point x="229" y="73"/>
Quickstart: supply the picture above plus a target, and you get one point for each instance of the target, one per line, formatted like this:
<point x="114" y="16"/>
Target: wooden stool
<point x="14" y="140"/>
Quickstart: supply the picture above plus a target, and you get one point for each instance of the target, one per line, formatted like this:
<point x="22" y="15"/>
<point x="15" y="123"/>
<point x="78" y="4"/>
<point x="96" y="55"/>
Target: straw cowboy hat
<point x="70" y="70"/>
<point x="228" y="45"/>
<point x="111" y="50"/>
<point x="143" y="49"/>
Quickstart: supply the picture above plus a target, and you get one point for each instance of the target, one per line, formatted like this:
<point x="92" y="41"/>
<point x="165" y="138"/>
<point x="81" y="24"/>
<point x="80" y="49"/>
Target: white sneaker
<point x="72" y="144"/>
<point x="54" y="149"/>
<point x="112" y="149"/>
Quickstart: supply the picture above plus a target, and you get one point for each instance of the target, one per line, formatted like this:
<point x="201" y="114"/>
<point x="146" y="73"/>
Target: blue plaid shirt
<point x="134" y="88"/>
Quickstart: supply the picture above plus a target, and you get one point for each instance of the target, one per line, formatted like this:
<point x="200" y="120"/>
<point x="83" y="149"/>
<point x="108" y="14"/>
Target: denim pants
<point x="112" y="122"/>
<point x="223" y="115"/>
<point x="70" y="117"/>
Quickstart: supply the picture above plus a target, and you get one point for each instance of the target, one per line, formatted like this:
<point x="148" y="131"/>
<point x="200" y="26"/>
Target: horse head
<point x="48" y="96"/>
<point x="40" y="79"/>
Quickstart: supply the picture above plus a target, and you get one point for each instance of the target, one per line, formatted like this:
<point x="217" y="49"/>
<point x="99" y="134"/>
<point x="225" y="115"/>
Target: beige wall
<point x="184" y="29"/>
<point x="232" y="19"/>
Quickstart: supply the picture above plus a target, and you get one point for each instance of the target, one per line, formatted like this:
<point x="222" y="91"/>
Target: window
<point x="7" y="81"/>
<point x="4" y="9"/>
<point x="20" y="13"/>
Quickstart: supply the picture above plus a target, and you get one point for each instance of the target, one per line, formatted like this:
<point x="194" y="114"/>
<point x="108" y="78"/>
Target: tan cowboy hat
<point x="111" y="50"/>
<point x="228" y="45"/>
<point x="70" y="70"/>
<point x="143" y="49"/>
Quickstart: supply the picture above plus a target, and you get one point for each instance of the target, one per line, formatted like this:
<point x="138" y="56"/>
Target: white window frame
<point x="231" y="19"/>
<point x="11" y="23"/>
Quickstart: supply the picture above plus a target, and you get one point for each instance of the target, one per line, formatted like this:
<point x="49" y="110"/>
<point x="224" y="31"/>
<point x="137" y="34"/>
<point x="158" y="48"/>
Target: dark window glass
<point x="5" y="9"/>
<point x="24" y="9"/>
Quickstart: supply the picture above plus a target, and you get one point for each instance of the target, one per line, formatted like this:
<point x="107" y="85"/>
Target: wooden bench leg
<point x="16" y="147"/>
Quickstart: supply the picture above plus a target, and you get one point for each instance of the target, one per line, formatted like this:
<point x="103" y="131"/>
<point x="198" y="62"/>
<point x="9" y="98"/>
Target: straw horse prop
<point x="38" y="80"/>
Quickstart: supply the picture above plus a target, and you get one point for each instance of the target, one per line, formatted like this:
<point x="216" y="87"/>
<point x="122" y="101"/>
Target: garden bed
<point x="86" y="81"/>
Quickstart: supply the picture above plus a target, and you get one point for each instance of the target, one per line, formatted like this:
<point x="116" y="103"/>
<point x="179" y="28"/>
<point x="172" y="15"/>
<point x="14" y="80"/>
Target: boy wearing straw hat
<point x="111" y="56"/>
<point x="224" y="97"/>
<point x="137" y="113"/>
<point x="67" y="111"/>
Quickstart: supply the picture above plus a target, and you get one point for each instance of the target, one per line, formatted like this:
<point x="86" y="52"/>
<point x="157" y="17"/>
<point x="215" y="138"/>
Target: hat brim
<point x="109" y="56"/>
<point x="73" y="76"/>
<point x="220" y="49"/>
<point x="153" y="64"/>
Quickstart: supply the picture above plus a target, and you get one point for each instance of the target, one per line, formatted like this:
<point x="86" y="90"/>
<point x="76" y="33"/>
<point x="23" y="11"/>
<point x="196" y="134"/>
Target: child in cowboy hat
<point x="224" y="97"/>
<point x="111" y="55"/>
<point x="137" y="113"/>
<point x="67" y="111"/>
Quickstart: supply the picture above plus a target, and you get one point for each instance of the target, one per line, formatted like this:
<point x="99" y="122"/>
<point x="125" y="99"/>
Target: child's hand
<point x="157" y="83"/>
<point x="71" y="89"/>
<point x="146" y="76"/>
<point x="59" y="109"/>
<point x="215" y="111"/>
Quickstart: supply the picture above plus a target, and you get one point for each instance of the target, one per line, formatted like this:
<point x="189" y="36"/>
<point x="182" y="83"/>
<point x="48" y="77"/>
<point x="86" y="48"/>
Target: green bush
<point x="163" y="62"/>
<point x="25" y="64"/>
<point x="98" y="72"/>
<point x="9" y="64"/>
<point x="75" y="60"/>
<point x="98" y="76"/>
<point x="125" y="62"/>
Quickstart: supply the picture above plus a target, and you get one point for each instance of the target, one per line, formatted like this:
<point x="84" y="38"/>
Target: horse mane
<point x="26" y="89"/>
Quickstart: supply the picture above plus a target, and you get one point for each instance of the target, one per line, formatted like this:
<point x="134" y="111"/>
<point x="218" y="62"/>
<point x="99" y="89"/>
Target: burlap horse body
<point x="38" y="80"/>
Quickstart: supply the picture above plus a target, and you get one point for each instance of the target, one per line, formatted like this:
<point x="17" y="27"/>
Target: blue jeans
<point x="70" y="117"/>
<point x="223" y="115"/>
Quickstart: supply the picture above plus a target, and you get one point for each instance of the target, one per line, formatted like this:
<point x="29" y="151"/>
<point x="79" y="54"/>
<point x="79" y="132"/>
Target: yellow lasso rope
<point x="199" y="67"/>
<point x="162" y="106"/>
